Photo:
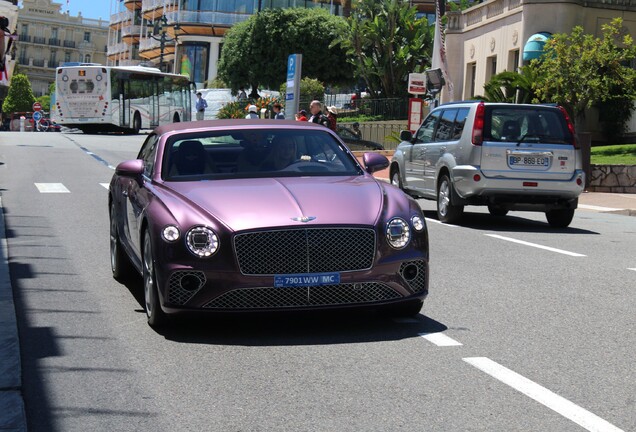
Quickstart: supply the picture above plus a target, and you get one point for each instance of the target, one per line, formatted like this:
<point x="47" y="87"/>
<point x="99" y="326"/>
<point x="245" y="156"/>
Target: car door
<point x="137" y="195"/>
<point x="414" y="164"/>
<point x="527" y="143"/>
<point x="438" y="147"/>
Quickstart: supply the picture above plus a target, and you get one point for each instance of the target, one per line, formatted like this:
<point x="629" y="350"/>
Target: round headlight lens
<point x="202" y="241"/>
<point x="418" y="223"/>
<point x="398" y="233"/>
<point x="171" y="233"/>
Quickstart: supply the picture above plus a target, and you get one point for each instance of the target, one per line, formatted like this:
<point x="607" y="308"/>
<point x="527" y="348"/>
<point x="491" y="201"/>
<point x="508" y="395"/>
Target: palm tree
<point x="512" y="87"/>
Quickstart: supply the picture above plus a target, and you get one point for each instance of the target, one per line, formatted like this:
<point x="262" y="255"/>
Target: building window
<point x="513" y="61"/>
<point x="25" y="29"/>
<point x="491" y="68"/>
<point x="53" y="58"/>
<point x="87" y="58"/>
<point x="471" y="73"/>
<point x="67" y="56"/>
<point x="54" y="33"/>
<point x="87" y="36"/>
<point x="194" y="61"/>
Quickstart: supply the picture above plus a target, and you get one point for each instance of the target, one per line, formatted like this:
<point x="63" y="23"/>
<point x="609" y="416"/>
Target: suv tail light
<point x="478" y="124"/>
<point x="575" y="143"/>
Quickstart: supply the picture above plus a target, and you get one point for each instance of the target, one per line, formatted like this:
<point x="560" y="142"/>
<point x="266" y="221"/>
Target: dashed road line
<point x="634" y="269"/>
<point x="551" y="249"/>
<point x="441" y="223"/>
<point x="51" y="188"/>
<point x="557" y="403"/>
<point x="440" y="339"/>
<point x="105" y="185"/>
<point x="598" y="208"/>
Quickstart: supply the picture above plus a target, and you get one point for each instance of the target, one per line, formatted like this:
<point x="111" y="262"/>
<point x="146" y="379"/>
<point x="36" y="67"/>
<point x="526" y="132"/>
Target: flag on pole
<point x="439" y="50"/>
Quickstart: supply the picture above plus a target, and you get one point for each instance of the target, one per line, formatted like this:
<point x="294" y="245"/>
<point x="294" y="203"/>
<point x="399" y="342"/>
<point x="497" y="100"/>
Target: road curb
<point x="12" y="415"/>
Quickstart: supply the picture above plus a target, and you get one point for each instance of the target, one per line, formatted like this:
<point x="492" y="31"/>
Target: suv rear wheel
<point x="559" y="218"/>
<point x="446" y="211"/>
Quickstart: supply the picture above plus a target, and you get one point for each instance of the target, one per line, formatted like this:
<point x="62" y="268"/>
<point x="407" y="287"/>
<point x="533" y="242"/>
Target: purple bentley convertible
<point x="240" y="215"/>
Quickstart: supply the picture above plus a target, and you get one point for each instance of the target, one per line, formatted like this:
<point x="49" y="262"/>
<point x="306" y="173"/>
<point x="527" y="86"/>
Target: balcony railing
<point x="205" y="18"/>
<point x="117" y="48"/>
<point x="39" y="39"/>
<point x="148" y="5"/>
<point x="24" y="38"/>
<point x="38" y="63"/>
<point x="148" y="44"/>
<point x="131" y="30"/>
<point x="54" y="42"/>
<point x="69" y="44"/>
<point x="481" y="13"/>
<point x="121" y="17"/>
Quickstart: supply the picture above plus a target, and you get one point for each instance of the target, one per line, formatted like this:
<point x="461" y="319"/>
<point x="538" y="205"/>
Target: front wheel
<point x="446" y="211"/>
<point x="136" y="123"/>
<point x="156" y="316"/>
<point x="560" y="218"/>
<point x="119" y="262"/>
<point x="396" y="180"/>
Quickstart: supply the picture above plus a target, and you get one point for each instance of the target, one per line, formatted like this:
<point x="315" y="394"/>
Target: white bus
<point x="95" y="98"/>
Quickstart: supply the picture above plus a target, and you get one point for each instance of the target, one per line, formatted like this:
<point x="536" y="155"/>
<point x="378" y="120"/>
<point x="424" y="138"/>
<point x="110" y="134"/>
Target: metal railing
<point x="54" y="42"/>
<point x="205" y="18"/>
<point x="386" y="109"/>
<point x="69" y="44"/>
<point x="39" y="39"/>
<point x="385" y="133"/>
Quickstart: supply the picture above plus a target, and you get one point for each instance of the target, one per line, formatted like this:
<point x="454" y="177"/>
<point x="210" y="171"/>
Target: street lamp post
<point x="159" y="26"/>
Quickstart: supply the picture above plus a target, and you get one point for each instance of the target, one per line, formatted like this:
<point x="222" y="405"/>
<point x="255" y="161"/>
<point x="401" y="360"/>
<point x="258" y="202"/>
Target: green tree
<point x="20" y="96"/>
<point x="579" y="70"/>
<point x="45" y="100"/>
<point x="385" y="41"/>
<point x="511" y="87"/>
<point x="255" y="52"/>
<point x="310" y="89"/>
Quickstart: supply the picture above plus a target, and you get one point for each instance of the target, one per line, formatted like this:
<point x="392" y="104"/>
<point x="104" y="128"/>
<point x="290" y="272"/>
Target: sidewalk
<point x="12" y="416"/>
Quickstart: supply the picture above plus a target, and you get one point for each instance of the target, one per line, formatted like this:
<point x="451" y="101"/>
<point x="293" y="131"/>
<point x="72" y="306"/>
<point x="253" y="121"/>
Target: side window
<point x="446" y="124"/>
<point x="460" y="121"/>
<point x="425" y="133"/>
<point x="147" y="154"/>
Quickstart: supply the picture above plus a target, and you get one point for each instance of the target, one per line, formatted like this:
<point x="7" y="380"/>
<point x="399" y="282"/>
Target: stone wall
<point x="613" y="178"/>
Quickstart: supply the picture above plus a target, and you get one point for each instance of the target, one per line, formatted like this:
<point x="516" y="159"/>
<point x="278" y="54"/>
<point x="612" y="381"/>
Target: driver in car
<point x="283" y="154"/>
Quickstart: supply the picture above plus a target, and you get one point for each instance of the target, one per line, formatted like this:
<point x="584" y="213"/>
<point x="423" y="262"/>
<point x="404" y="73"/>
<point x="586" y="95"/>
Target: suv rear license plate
<point x="529" y="161"/>
<point x="306" y="279"/>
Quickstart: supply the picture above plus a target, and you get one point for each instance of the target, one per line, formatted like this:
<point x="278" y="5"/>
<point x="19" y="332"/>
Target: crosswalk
<point x="59" y="187"/>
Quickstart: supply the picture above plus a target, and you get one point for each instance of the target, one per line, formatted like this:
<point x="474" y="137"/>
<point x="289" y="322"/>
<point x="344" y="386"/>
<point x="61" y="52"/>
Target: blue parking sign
<point x="37" y="116"/>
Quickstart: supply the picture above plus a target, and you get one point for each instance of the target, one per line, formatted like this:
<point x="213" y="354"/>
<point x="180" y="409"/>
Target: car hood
<point x="273" y="202"/>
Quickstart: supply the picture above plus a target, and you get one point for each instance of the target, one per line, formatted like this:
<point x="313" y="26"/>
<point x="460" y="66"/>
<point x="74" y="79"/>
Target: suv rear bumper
<point x="536" y="194"/>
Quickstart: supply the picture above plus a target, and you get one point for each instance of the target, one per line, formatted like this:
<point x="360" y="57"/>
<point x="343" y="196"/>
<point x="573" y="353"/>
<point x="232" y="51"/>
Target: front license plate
<point x="306" y="279"/>
<point x="528" y="161"/>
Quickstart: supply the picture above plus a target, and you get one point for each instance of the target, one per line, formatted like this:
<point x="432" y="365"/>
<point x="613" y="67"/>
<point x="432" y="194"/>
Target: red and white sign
<point x="416" y="113"/>
<point x="37" y="106"/>
<point x="417" y="83"/>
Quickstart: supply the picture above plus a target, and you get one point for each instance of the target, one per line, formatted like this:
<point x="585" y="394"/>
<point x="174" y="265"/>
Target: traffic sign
<point x="37" y="106"/>
<point x="37" y="115"/>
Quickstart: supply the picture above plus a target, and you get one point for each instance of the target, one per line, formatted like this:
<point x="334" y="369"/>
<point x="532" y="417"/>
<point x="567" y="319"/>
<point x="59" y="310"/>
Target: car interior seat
<point x="510" y="130"/>
<point x="191" y="158"/>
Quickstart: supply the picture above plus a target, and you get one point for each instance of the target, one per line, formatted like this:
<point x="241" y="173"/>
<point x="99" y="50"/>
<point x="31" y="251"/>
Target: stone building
<point x="48" y="37"/>
<point x="178" y="35"/>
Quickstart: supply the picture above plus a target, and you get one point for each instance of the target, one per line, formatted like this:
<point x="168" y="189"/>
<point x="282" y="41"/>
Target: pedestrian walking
<point x="252" y="112"/>
<point x="316" y="114"/>
<point x="200" y="106"/>
<point x="278" y="114"/>
<point x="332" y="116"/>
<point x="301" y="115"/>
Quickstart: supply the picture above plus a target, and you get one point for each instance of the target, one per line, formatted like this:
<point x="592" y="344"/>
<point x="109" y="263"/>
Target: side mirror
<point x="130" y="168"/>
<point x="374" y="162"/>
<point x="406" y="135"/>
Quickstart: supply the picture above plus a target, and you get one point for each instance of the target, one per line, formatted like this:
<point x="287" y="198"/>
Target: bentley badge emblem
<point x="303" y="219"/>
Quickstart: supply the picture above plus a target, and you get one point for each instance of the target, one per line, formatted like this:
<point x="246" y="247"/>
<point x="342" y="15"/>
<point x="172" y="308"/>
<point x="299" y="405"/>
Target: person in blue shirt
<point x="200" y="106"/>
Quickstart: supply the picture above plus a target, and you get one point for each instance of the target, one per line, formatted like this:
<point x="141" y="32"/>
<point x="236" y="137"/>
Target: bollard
<point x="22" y="121"/>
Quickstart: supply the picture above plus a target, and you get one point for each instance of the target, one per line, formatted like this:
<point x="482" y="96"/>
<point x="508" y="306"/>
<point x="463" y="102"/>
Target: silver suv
<point x="505" y="156"/>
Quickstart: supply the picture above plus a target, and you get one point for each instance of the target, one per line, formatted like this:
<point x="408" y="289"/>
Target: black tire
<point x="156" y="316"/>
<point x="560" y="218"/>
<point x="446" y="211"/>
<point x="497" y="211"/>
<point x="120" y="264"/>
<point x="396" y="179"/>
<point x="136" y="126"/>
<point x="407" y="310"/>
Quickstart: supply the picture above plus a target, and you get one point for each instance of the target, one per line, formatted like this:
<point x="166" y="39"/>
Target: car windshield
<point x="249" y="153"/>
<point x="523" y="124"/>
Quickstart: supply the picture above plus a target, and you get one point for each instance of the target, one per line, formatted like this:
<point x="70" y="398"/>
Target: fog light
<point x="476" y="177"/>
<point x="579" y="181"/>
<point x="170" y="233"/>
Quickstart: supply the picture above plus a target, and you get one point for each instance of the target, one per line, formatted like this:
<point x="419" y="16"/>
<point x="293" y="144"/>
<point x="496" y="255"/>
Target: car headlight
<point x="171" y="233"/>
<point x="202" y="241"/>
<point x="418" y="223"/>
<point x="398" y="233"/>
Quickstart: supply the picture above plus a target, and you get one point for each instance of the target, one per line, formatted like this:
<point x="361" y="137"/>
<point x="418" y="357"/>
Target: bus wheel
<point x="176" y="118"/>
<point x="136" y="123"/>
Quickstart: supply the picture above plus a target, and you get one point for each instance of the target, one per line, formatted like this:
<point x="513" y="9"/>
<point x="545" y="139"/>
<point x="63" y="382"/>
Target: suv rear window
<point x="535" y="124"/>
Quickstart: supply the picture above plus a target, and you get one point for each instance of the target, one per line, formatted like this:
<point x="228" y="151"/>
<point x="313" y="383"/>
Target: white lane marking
<point x="51" y="188"/>
<point x="561" y="251"/>
<point x="440" y="339"/>
<point x="441" y="223"/>
<point x="567" y="409"/>
<point x="598" y="208"/>
<point x="632" y="269"/>
<point x="106" y="185"/>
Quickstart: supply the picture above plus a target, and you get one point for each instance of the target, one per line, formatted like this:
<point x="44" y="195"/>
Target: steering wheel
<point x="304" y="165"/>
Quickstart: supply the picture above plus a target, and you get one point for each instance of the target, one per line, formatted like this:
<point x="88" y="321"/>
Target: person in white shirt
<point x="252" y="112"/>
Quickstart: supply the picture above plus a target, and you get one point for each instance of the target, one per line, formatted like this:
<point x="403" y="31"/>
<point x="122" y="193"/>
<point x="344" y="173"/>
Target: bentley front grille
<point x="183" y="285"/>
<point x="309" y="250"/>
<point x="327" y="295"/>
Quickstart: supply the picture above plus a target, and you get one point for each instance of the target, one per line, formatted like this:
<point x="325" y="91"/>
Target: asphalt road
<point x="526" y="328"/>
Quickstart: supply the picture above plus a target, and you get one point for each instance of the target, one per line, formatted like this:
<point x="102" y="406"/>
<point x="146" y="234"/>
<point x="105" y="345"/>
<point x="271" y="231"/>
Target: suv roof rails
<point x="463" y="102"/>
